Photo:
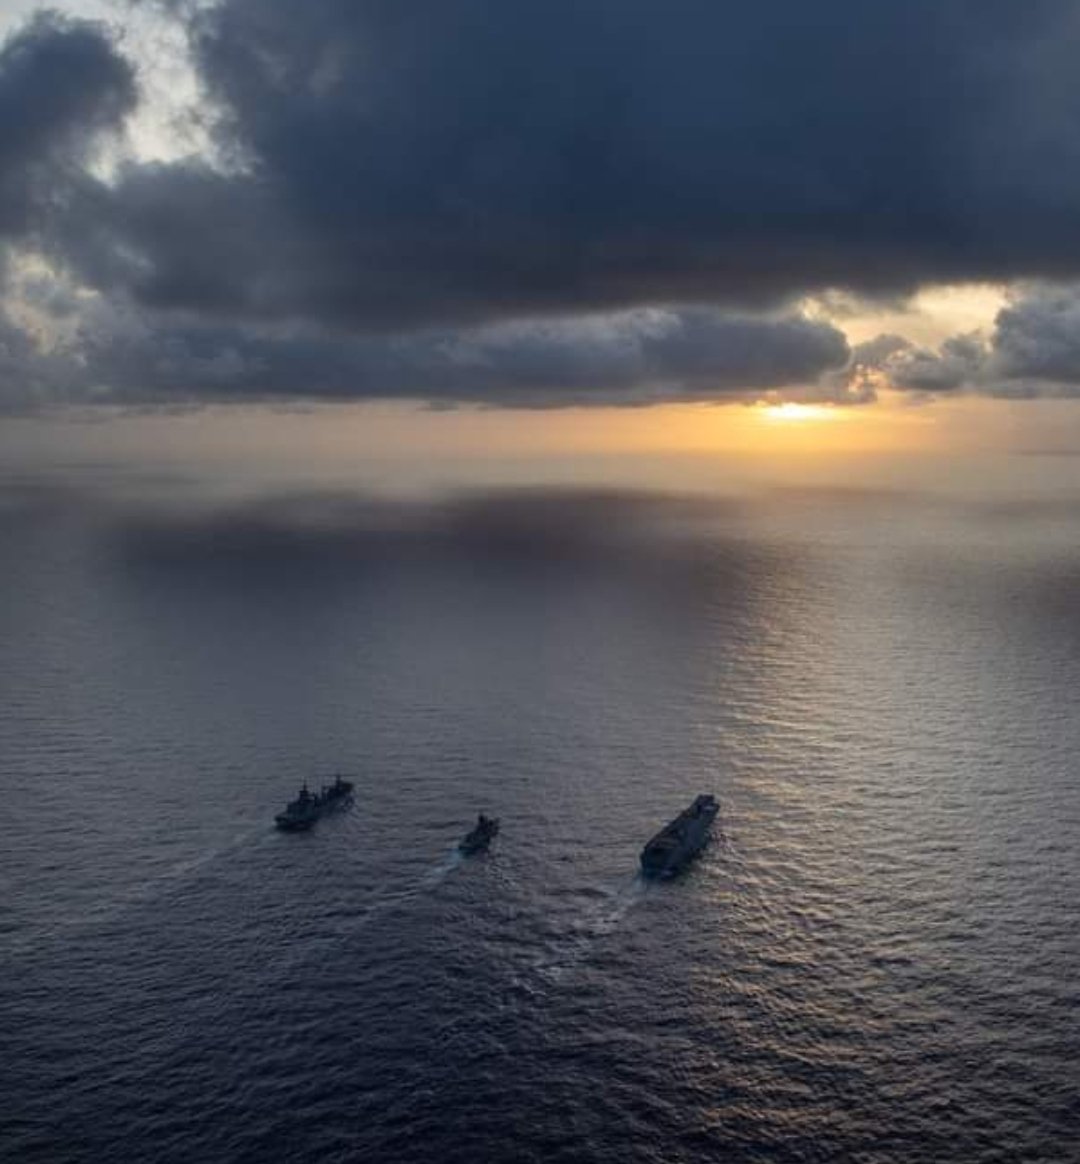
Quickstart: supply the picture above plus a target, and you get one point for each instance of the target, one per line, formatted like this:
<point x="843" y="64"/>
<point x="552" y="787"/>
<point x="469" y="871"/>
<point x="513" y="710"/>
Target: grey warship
<point x="678" y="842"/>
<point x="480" y="836"/>
<point x="305" y="810"/>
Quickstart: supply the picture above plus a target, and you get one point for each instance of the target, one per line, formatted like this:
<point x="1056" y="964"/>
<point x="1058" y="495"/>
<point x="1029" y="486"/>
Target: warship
<point x="678" y="842"/>
<point x="306" y="809"/>
<point x="479" y="837"/>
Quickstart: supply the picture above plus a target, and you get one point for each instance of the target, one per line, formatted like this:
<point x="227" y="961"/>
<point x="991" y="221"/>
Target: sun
<point x="791" y="412"/>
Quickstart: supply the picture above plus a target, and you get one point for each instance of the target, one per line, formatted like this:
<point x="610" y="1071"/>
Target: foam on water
<point x="563" y="954"/>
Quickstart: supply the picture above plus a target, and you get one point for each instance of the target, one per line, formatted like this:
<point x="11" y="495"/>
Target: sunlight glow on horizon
<point x="790" y="411"/>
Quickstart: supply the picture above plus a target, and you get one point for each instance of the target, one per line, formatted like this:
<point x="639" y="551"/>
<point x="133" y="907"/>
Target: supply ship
<point x="306" y="809"/>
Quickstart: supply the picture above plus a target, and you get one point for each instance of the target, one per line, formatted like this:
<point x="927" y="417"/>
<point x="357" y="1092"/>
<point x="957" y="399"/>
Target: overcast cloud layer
<point x="616" y="201"/>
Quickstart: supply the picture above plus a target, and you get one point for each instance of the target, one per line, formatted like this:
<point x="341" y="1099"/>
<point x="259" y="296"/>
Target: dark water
<point x="876" y="960"/>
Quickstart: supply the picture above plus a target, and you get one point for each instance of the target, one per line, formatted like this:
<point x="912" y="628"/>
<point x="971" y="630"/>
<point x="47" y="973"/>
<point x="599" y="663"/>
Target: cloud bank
<point x="507" y="201"/>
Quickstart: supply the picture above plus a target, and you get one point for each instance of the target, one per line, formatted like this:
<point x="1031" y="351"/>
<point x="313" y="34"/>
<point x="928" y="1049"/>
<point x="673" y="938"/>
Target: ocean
<point x="875" y="960"/>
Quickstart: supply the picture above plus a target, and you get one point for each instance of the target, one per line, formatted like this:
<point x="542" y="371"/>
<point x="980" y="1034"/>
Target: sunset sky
<point x="591" y="239"/>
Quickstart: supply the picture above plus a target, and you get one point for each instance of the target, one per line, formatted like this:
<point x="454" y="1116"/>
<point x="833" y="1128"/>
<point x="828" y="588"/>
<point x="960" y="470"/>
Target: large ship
<point x="677" y="843"/>
<point x="306" y="809"/>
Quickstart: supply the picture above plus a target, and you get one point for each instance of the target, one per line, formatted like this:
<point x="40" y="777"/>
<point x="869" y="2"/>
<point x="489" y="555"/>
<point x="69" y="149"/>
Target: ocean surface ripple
<point x="875" y="960"/>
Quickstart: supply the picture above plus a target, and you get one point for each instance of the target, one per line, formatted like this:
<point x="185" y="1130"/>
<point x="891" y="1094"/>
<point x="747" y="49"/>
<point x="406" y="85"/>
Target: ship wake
<point x="568" y="951"/>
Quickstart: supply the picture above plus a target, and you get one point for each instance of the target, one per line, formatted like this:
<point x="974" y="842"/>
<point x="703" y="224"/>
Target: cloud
<point x="469" y="160"/>
<point x="634" y="357"/>
<point x="61" y="85"/>
<point x="580" y="201"/>
<point x="958" y="363"/>
<point x="1037" y="337"/>
<point x="1033" y="351"/>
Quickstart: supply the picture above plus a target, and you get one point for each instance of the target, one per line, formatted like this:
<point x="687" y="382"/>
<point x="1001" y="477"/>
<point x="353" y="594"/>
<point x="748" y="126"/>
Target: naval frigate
<point x="480" y="836"/>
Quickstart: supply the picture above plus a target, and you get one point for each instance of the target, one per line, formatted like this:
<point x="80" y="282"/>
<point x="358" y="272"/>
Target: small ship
<point x="677" y="843"/>
<point x="306" y="809"/>
<point x="480" y="836"/>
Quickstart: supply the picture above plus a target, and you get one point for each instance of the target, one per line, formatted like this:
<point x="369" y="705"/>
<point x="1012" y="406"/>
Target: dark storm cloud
<point x="958" y="363"/>
<point x="633" y="357"/>
<point x="128" y="357"/>
<point x="1037" y="336"/>
<point x="485" y="200"/>
<point x="472" y="159"/>
<point x="61" y="83"/>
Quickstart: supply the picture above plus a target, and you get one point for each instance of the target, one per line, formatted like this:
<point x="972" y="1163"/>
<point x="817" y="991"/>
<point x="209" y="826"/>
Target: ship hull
<point x="678" y="843"/>
<point x="292" y="826"/>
